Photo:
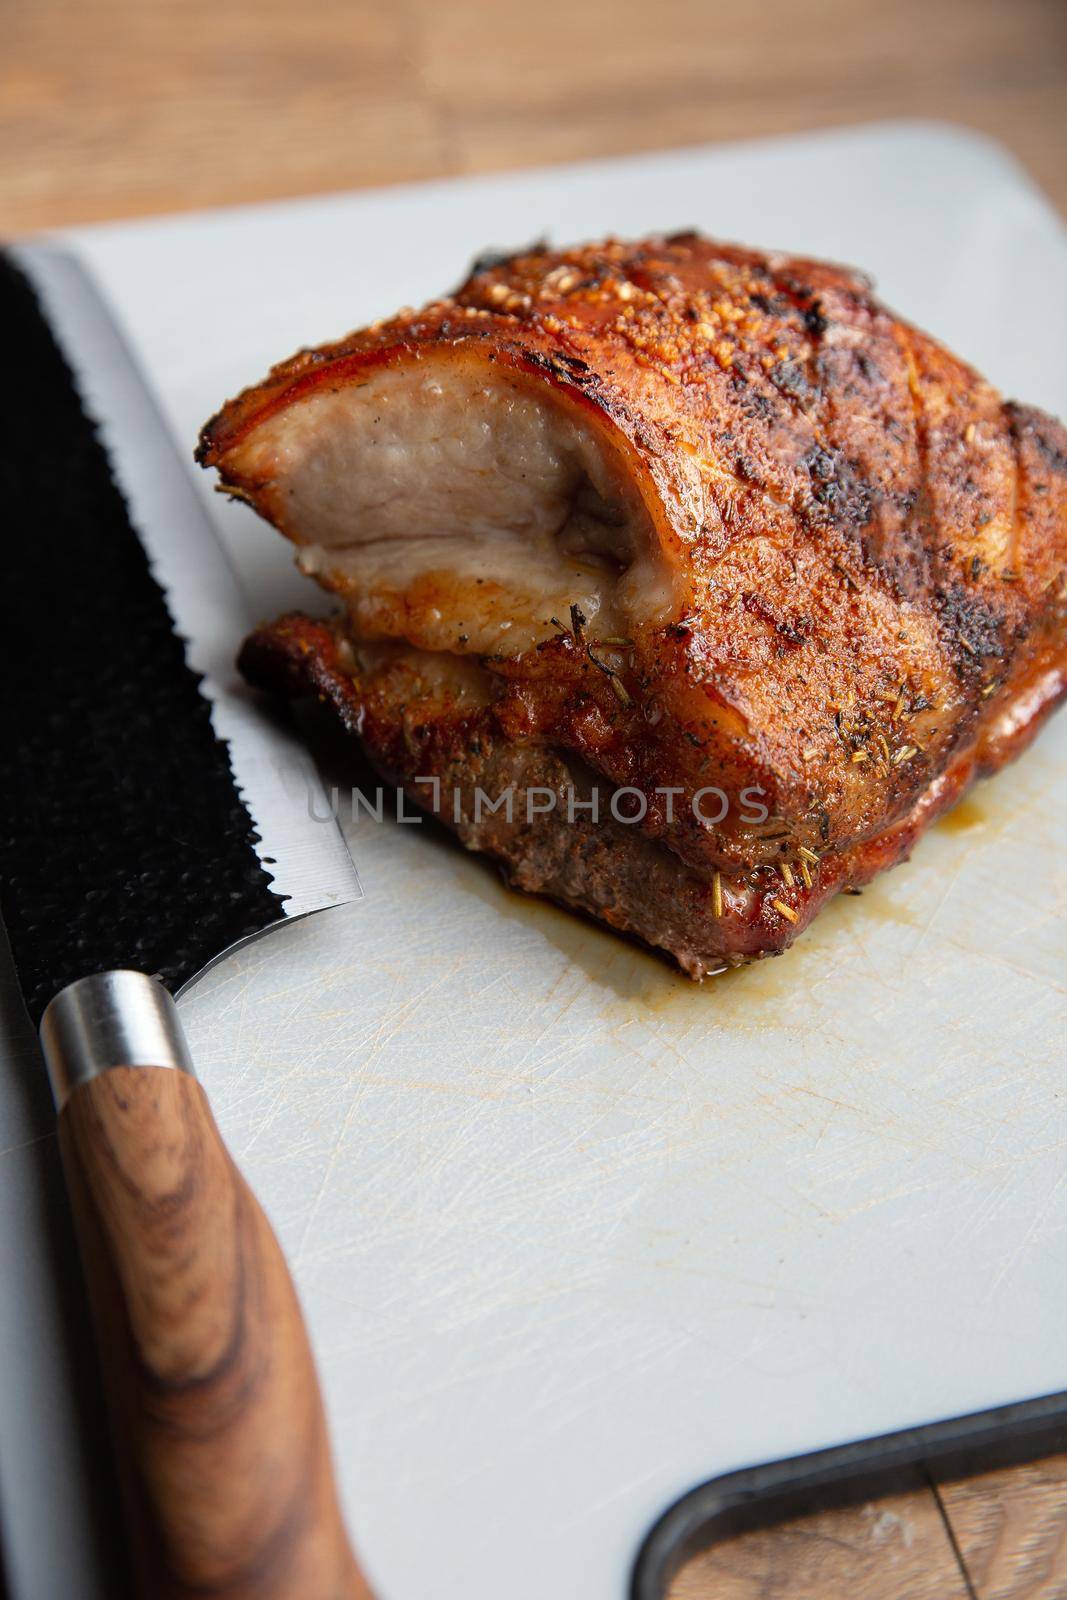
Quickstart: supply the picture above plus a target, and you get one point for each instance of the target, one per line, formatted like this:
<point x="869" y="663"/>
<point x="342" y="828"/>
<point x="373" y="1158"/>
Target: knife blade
<point x="151" y="818"/>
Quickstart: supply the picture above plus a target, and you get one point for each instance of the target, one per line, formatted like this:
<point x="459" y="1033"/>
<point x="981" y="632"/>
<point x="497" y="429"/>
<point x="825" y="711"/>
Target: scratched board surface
<point x="572" y="1233"/>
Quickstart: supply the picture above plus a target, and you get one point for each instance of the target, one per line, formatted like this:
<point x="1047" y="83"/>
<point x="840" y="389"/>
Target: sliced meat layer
<point x="454" y="504"/>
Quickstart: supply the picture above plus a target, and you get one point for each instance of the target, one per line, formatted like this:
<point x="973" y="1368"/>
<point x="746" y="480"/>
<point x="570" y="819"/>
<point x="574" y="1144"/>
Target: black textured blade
<point x="123" y="839"/>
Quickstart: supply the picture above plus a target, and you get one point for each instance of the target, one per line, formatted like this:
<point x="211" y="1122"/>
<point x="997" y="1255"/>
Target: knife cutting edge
<point x="150" y="819"/>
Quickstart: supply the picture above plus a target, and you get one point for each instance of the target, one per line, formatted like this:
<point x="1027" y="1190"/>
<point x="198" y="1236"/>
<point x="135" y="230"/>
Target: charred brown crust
<point x="870" y="546"/>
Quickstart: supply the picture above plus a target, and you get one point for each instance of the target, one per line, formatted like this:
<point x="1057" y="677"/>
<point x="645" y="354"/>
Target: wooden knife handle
<point x="218" y="1421"/>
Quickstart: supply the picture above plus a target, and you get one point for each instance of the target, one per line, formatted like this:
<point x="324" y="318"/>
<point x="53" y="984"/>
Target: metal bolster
<point x="111" y="1019"/>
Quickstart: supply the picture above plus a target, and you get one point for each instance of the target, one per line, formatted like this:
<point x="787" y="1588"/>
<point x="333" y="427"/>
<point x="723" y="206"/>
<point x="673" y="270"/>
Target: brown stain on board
<point x="969" y="814"/>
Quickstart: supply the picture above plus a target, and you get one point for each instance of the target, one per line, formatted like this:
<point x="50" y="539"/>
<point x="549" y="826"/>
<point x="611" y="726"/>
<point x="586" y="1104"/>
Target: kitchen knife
<point x="152" y="817"/>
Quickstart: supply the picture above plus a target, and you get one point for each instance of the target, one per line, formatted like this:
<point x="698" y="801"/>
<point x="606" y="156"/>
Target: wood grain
<point x="1011" y="1530"/>
<point x="128" y="107"/>
<point x="221" y="1439"/>
<point x="896" y="1547"/>
<point x="601" y="78"/>
<point x="996" y="1536"/>
<point x="132" y="106"/>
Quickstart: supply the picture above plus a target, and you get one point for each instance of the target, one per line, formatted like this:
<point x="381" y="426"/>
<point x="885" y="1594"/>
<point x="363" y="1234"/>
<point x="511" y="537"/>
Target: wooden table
<point x="118" y="107"/>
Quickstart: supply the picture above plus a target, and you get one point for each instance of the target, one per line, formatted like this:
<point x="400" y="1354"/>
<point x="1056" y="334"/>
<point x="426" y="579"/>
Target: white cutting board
<point x="572" y="1234"/>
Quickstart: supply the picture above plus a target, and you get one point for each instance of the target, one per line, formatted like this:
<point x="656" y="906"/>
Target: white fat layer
<point x="451" y="505"/>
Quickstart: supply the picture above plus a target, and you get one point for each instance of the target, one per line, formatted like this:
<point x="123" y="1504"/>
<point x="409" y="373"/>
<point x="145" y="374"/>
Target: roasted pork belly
<point x="675" y="524"/>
